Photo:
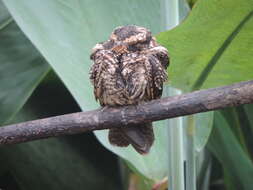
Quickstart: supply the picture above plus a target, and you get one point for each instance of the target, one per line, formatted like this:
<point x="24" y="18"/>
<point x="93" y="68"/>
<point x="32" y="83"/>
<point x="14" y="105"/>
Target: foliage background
<point x="213" y="46"/>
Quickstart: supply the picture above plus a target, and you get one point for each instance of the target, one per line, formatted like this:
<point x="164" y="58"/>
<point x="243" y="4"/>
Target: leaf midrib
<point x="5" y="23"/>
<point x="204" y="74"/>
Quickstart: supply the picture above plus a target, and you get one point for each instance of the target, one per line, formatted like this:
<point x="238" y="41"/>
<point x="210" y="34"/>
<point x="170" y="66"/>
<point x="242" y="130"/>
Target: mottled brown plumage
<point x="129" y="69"/>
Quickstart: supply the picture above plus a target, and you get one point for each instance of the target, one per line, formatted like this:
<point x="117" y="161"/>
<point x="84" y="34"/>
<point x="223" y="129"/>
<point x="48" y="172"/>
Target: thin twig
<point x="170" y="107"/>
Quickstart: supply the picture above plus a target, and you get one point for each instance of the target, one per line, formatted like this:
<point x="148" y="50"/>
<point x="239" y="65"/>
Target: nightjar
<point x="129" y="69"/>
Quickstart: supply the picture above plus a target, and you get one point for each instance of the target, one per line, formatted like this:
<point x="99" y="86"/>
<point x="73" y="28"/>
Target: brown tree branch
<point x="170" y="107"/>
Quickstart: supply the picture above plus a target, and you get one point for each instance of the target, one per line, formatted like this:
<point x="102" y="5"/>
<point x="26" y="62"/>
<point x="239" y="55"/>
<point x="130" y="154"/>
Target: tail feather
<point x="117" y="137"/>
<point x="141" y="137"/>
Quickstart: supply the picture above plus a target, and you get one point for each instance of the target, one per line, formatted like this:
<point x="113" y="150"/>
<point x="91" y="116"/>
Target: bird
<point x="129" y="69"/>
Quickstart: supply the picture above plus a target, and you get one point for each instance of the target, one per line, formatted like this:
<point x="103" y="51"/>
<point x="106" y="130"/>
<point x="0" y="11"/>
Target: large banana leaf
<point x="21" y="67"/>
<point x="213" y="46"/>
<point x="65" y="31"/>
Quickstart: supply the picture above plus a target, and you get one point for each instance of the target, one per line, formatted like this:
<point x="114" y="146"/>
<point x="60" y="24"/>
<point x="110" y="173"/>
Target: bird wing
<point x="102" y="72"/>
<point x="156" y="75"/>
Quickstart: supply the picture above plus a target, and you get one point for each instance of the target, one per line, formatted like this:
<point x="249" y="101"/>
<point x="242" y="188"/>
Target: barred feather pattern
<point x="128" y="69"/>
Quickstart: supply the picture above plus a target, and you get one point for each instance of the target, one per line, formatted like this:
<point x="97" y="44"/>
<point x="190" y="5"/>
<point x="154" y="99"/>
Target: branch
<point x="170" y="107"/>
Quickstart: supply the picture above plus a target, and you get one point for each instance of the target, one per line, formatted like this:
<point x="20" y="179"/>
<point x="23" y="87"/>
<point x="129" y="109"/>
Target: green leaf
<point x="226" y="147"/>
<point x="213" y="46"/>
<point x="244" y="114"/>
<point x="21" y="67"/>
<point x="203" y="128"/>
<point x="65" y="31"/>
<point x="232" y="117"/>
<point x="228" y="181"/>
<point x="192" y="2"/>
<point x="247" y="112"/>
